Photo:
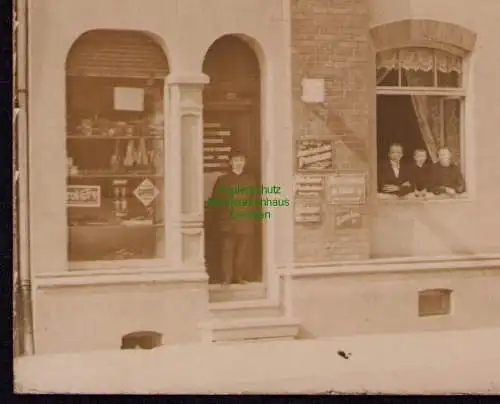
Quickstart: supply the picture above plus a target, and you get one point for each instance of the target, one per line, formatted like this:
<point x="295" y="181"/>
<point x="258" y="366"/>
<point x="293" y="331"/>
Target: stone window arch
<point x="448" y="37"/>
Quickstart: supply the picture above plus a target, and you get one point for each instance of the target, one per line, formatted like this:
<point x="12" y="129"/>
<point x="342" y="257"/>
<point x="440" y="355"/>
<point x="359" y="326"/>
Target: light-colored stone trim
<point x="428" y="33"/>
<point x="190" y="79"/>
<point x="187" y="177"/>
<point x="106" y="278"/>
<point x="391" y="266"/>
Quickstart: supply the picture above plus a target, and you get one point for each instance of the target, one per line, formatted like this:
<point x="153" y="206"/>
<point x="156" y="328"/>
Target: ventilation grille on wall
<point x="434" y="302"/>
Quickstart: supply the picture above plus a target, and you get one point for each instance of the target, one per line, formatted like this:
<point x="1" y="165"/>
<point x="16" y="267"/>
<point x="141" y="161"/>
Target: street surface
<point x="425" y="363"/>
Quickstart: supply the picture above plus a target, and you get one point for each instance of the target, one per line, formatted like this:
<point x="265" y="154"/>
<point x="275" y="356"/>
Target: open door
<point x="232" y="112"/>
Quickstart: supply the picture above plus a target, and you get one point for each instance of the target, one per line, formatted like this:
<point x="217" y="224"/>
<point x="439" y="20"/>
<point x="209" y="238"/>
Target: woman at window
<point x="447" y="178"/>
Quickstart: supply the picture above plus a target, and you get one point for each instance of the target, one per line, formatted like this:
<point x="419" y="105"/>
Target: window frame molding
<point x="446" y="37"/>
<point x="119" y="265"/>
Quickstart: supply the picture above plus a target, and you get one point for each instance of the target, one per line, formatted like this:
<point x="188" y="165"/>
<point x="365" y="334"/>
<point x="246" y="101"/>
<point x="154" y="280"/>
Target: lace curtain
<point x="438" y="122"/>
<point x="428" y="113"/>
<point x="413" y="61"/>
<point x="451" y="113"/>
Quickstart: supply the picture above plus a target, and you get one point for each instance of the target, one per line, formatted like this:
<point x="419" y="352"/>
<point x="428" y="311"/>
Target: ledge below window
<point x="396" y="265"/>
<point x="117" y="264"/>
<point x="390" y="199"/>
<point x="124" y="277"/>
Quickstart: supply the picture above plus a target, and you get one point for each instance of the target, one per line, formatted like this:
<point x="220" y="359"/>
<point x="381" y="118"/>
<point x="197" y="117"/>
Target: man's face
<point x="395" y="153"/>
<point x="420" y="157"/>
<point x="238" y="163"/>
<point x="444" y="157"/>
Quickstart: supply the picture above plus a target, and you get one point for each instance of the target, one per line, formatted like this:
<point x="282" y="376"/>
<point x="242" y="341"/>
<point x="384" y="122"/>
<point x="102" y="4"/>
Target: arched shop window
<point x="115" y="165"/>
<point x="420" y="104"/>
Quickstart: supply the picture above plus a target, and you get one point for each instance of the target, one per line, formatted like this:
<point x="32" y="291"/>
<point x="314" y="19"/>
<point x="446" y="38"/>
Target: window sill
<point x="126" y="277"/>
<point x="153" y="263"/>
<point x="450" y="263"/>
<point x="390" y="199"/>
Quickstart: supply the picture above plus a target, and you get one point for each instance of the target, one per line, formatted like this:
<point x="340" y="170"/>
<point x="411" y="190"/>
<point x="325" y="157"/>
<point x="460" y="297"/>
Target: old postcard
<point x="256" y="196"/>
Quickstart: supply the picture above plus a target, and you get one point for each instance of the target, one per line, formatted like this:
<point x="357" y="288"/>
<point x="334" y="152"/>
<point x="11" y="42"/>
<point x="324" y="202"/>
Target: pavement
<point x="451" y="362"/>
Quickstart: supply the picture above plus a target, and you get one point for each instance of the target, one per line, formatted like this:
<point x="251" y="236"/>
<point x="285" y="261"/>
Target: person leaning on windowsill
<point x="393" y="176"/>
<point x="420" y="175"/>
<point x="447" y="180"/>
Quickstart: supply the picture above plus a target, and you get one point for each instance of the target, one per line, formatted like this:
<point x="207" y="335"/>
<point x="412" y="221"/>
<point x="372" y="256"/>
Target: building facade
<point x="131" y="113"/>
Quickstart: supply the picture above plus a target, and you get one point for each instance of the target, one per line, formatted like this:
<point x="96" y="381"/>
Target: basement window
<point x="434" y="302"/>
<point x="141" y="340"/>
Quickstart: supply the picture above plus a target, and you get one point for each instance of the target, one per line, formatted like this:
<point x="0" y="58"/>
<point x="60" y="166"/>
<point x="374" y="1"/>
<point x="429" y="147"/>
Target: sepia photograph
<point x="256" y="197"/>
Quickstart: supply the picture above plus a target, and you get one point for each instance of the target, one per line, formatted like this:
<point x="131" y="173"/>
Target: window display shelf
<point x="115" y="175"/>
<point x="115" y="225"/>
<point x="112" y="137"/>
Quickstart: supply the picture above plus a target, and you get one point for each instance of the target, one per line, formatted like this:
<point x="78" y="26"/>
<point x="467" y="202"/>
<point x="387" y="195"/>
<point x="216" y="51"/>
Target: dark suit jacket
<point x="228" y="208"/>
<point x="447" y="177"/>
<point x="421" y="177"/>
<point x="386" y="176"/>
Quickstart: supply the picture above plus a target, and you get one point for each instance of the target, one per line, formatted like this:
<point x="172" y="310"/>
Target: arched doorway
<point x="114" y="143"/>
<point x="232" y="120"/>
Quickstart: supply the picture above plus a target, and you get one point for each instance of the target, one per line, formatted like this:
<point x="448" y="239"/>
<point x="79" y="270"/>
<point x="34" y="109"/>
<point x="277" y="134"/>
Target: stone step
<point x="244" y="309"/>
<point x="254" y="328"/>
<point x="231" y="293"/>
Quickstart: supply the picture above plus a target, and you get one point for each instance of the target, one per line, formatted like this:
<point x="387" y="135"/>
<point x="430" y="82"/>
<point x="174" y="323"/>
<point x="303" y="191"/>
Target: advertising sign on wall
<point x="308" y="212"/>
<point x="216" y="150"/>
<point x="314" y="155"/>
<point x="346" y="188"/>
<point x="309" y="186"/>
<point x="83" y="196"/>
<point x="348" y="218"/>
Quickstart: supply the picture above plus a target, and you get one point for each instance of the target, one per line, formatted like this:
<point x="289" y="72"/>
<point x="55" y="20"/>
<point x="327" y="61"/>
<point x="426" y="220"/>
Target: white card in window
<point x="128" y="99"/>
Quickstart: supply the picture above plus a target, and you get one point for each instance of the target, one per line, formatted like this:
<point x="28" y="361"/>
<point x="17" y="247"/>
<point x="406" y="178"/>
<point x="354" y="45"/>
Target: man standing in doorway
<point x="236" y="229"/>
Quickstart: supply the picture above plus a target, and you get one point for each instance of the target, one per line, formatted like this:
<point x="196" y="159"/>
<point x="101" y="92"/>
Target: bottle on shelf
<point x="129" y="159"/>
<point x="115" y="158"/>
<point x="120" y="198"/>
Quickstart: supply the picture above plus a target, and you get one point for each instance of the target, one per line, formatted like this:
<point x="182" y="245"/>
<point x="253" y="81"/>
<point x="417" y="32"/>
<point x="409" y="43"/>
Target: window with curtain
<point x="420" y="104"/>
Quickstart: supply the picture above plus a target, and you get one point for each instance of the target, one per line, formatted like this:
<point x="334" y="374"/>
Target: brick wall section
<point x="330" y="40"/>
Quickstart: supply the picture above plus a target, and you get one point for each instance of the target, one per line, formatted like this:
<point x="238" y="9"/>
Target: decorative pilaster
<point x="186" y="176"/>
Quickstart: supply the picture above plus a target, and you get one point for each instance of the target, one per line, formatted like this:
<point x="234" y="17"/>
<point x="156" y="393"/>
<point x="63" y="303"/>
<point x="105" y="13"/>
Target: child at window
<point x="420" y="174"/>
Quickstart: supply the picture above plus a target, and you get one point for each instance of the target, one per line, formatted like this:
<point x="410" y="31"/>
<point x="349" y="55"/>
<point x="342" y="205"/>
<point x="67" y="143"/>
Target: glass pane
<point x="115" y="169"/>
<point x="387" y="77"/>
<point x="387" y="68"/>
<point x="417" y="67"/>
<point x="452" y="112"/>
<point x="412" y="78"/>
<point x="449" y="69"/>
<point x="451" y="79"/>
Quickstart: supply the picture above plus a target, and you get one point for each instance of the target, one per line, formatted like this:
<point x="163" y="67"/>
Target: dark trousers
<point x="235" y="256"/>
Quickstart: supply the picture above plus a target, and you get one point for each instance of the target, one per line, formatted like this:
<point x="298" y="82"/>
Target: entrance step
<point x="231" y="293"/>
<point x="244" y="309"/>
<point x="249" y="329"/>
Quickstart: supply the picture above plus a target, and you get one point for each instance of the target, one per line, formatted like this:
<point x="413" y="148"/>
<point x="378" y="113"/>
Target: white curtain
<point x="417" y="68"/>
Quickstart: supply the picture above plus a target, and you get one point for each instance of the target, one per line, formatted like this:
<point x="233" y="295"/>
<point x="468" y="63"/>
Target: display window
<point x="115" y="168"/>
